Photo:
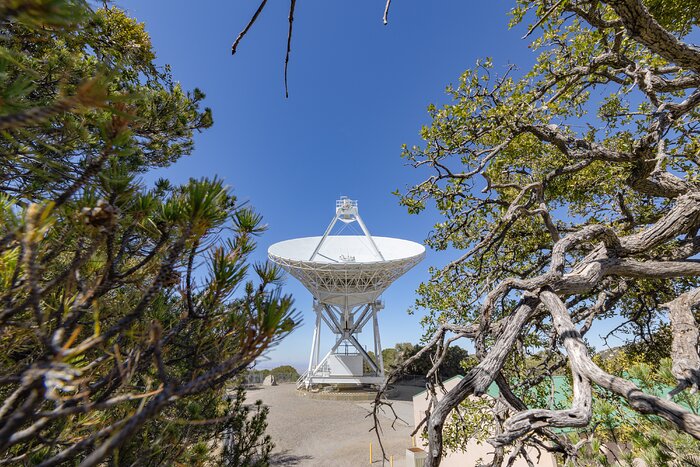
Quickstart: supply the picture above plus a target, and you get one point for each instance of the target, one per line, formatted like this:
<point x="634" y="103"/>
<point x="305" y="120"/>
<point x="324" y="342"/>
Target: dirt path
<point x="310" y="432"/>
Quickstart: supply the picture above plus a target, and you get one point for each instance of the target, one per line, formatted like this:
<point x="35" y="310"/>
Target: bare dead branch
<point x="292" y="4"/>
<point x="386" y="12"/>
<point x="248" y="26"/>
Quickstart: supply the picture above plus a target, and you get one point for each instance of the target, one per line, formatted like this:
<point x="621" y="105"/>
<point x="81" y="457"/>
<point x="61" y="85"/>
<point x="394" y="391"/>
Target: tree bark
<point x="638" y="400"/>
<point x="644" y="28"/>
<point x="684" y="347"/>
<point x="477" y="380"/>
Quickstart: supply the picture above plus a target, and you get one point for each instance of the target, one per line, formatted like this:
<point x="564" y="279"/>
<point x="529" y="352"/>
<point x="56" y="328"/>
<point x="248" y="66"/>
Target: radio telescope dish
<point x="346" y="274"/>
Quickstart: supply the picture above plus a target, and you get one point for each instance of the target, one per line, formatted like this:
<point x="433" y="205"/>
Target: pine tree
<point x="126" y="311"/>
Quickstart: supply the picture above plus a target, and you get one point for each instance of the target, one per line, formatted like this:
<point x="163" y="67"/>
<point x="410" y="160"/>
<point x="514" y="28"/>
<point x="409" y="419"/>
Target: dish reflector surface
<point x="346" y="271"/>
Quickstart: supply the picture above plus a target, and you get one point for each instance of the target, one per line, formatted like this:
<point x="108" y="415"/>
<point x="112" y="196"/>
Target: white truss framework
<point x="346" y="275"/>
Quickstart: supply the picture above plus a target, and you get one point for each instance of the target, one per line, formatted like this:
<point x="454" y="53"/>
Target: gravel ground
<point x="310" y="432"/>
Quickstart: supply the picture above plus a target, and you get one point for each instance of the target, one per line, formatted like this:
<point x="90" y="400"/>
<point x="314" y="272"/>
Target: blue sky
<point x="358" y="91"/>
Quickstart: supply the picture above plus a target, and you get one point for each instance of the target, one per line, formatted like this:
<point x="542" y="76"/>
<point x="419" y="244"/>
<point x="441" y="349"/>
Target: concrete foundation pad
<point x="339" y="394"/>
<point x="344" y="393"/>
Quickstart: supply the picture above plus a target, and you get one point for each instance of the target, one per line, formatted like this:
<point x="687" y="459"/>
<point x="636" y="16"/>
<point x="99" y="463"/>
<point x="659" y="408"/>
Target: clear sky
<point x="358" y="91"/>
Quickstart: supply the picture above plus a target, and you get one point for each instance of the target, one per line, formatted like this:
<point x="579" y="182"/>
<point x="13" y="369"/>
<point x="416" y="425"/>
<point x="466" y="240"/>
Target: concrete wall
<point x="345" y="365"/>
<point x="475" y="451"/>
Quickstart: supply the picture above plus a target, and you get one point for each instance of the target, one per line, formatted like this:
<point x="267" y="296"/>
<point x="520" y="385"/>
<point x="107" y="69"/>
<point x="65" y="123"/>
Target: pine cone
<point x="102" y="216"/>
<point x="172" y="278"/>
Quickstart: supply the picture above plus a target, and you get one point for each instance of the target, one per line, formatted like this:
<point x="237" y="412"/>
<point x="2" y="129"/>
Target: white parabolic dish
<point x="345" y="271"/>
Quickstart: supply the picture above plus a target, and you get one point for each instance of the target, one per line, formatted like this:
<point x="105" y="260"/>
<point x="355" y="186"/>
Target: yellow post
<point x="413" y="441"/>
<point x="370" y="453"/>
<point x="391" y="461"/>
